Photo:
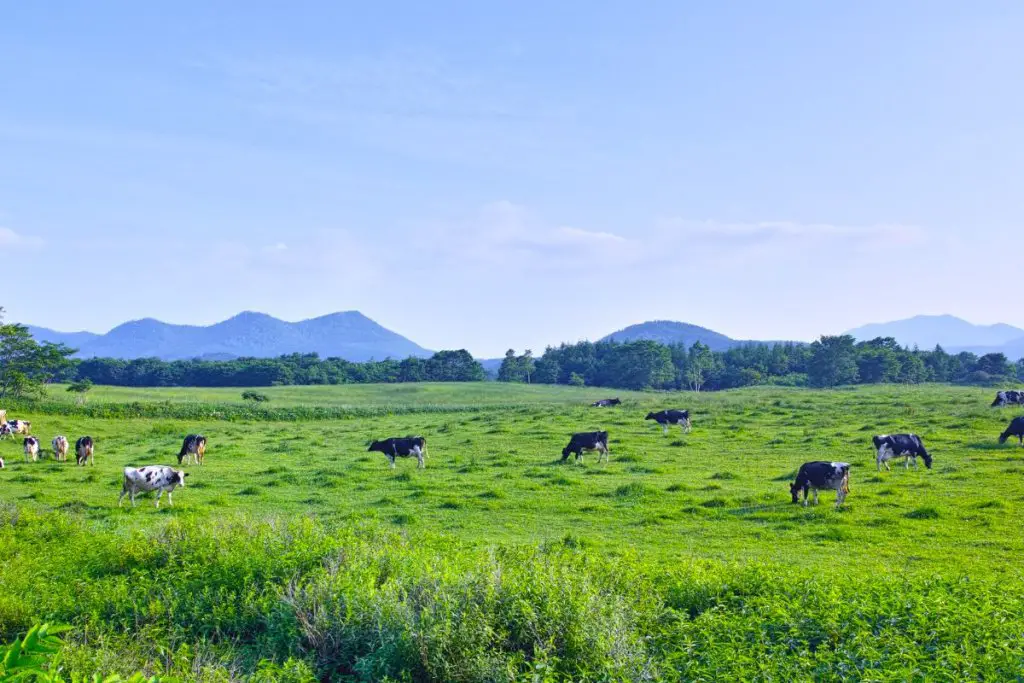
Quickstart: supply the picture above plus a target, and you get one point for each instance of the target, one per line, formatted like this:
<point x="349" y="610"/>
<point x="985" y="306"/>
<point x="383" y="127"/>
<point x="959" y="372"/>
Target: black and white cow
<point x="1016" y="428"/>
<point x="6" y="430"/>
<point x="402" y="447"/>
<point x="818" y="475"/>
<point x="159" y="478"/>
<point x="909" y="446"/>
<point x="1008" y="398"/>
<point x="605" y="403"/>
<point x="20" y="427"/>
<point x="60" y="448"/>
<point x="193" y="448"/>
<point x="31" y="449"/>
<point x="587" y="441"/>
<point x="671" y="417"/>
<point x="83" y="450"/>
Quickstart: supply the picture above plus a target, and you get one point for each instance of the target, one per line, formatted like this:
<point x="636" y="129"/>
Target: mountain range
<point x="355" y="337"/>
<point x="952" y="333"/>
<point x="349" y="335"/>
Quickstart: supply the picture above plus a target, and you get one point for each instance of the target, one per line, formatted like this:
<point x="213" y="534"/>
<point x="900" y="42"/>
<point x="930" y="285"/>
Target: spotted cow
<point x="159" y="478"/>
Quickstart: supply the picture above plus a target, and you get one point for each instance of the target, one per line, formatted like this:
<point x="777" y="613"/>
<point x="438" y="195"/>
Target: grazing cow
<point x="1007" y="398"/>
<point x="31" y="448"/>
<point x="403" y="447"/>
<point x="83" y="450"/>
<point x="671" y="417"/>
<point x="605" y="403"/>
<point x="20" y="427"/>
<point x="60" y="448"/>
<point x="819" y="475"/>
<point x="1016" y="428"/>
<point x="193" y="448"/>
<point x="587" y="441"/>
<point x="6" y="430"/>
<point x="909" y="446"/>
<point x="157" y="478"/>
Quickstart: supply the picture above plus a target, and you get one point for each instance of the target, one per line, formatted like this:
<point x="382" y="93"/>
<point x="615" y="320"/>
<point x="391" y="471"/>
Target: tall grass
<point x="302" y="600"/>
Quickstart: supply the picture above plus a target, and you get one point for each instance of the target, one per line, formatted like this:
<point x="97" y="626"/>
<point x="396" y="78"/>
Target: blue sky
<point x="486" y="175"/>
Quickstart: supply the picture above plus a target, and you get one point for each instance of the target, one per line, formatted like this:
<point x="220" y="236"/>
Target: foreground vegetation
<point x="293" y="554"/>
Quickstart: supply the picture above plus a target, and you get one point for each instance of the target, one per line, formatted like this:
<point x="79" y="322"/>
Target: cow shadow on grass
<point x="992" y="445"/>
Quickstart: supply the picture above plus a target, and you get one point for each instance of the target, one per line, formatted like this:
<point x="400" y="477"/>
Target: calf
<point x="1016" y="428"/>
<point x="20" y="427"/>
<point x="83" y="450"/>
<point x="31" y="448"/>
<point x="605" y="403"/>
<point x="157" y="478"/>
<point x="193" y="448"/>
<point x="671" y="417"/>
<point x="819" y="475"/>
<point x="587" y="441"/>
<point x="402" y="448"/>
<point x="907" y="446"/>
<point x="6" y="430"/>
<point x="60" y="448"/>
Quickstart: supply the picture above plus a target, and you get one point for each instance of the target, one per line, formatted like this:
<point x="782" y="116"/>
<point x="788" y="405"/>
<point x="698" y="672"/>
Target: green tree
<point x="509" y="370"/>
<point x="576" y="380"/>
<point x="834" y="361"/>
<point x="994" y="364"/>
<point x="699" y="363"/>
<point x="25" y="366"/>
<point x="81" y="387"/>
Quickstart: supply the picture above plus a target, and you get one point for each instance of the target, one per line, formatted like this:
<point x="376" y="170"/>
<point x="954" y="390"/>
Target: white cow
<point x="157" y="478"/>
<point x="31" y="449"/>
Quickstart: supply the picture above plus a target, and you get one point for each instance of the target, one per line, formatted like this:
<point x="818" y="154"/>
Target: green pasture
<point x="714" y="501"/>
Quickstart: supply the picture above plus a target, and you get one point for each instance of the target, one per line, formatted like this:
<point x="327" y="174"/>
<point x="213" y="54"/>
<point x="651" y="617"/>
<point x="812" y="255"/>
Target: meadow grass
<point x="681" y="558"/>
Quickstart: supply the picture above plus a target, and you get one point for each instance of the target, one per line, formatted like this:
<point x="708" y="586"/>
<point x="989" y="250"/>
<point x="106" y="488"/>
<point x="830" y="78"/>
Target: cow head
<point x="650" y="416"/>
<point x="565" y="453"/>
<point x="794" y="490"/>
<point x="375" y="446"/>
<point x="181" y="478"/>
<point x="926" y="456"/>
<point x="877" y="440"/>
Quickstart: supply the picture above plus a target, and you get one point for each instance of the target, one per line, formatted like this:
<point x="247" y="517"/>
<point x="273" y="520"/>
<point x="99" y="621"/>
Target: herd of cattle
<point x="811" y="477"/>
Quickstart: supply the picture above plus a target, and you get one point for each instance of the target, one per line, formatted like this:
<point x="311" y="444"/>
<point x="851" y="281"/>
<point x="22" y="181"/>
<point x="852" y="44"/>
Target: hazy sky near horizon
<point x="486" y="175"/>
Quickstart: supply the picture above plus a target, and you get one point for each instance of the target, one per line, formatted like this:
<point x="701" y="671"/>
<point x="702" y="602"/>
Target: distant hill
<point x="670" y="332"/>
<point x="954" y="334"/>
<point x="349" y="335"/>
<point x="73" y="339"/>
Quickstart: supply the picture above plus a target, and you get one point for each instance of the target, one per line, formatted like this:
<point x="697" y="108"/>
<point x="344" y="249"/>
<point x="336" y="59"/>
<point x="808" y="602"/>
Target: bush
<point x="255" y="397"/>
<point x="576" y="380"/>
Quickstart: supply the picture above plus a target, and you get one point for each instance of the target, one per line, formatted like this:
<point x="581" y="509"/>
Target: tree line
<point x="26" y="366"/>
<point x="831" y="361"/>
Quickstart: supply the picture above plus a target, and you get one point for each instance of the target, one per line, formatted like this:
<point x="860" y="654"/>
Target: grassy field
<point x="700" y="522"/>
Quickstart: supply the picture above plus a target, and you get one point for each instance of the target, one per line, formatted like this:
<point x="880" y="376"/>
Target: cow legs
<point x="169" y="500"/>
<point x="159" y="492"/>
<point x="419" y="458"/>
<point x="391" y="459"/>
<point x="665" y="428"/>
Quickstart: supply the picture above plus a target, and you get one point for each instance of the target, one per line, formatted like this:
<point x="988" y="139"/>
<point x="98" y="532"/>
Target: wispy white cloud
<point x="9" y="238"/>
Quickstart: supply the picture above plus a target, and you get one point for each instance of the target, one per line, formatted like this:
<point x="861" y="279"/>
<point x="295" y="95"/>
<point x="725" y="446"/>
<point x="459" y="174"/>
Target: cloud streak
<point x="9" y="238"/>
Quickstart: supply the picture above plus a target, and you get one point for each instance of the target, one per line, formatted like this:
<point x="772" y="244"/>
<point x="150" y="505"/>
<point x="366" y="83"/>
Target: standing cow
<point x="892" y="446"/>
<point x="819" y="475"/>
<point x="159" y="478"/>
<point x="31" y="449"/>
<point x="587" y="441"/>
<point x="6" y="430"/>
<point x="84" y="450"/>
<point x="20" y="427"/>
<point x="402" y="448"/>
<point x="193" y="448"/>
<point x="671" y="417"/>
<point x="60" y="448"/>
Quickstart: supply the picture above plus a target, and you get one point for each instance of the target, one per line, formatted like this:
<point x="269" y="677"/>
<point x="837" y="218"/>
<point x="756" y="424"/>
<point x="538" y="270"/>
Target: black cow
<point x="819" y="475"/>
<point x="192" y="448"/>
<point x="403" y="447"/>
<point x="671" y="417"/>
<point x="1006" y="398"/>
<point x="909" y="446"/>
<point x="587" y="441"/>
<point x="605" y="403"/>
<point x="1016" y="428"/>
<point x="84" y="450"/>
